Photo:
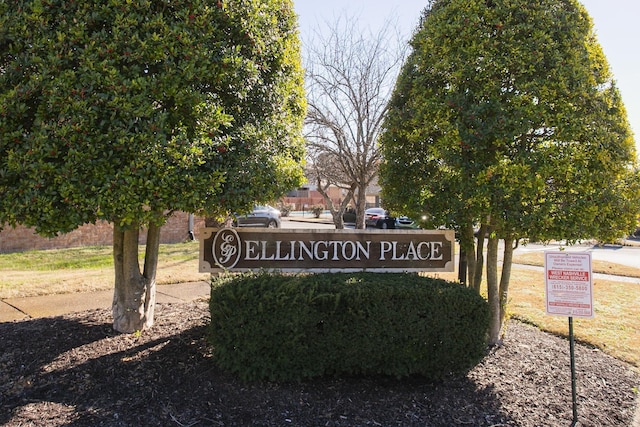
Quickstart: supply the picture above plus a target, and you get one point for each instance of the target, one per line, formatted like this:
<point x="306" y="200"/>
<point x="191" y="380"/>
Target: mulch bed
<point x="75" y="371"/>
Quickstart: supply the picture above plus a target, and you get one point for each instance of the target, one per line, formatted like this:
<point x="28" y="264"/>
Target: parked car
<point x="406" y="222"/>
<point x="379" y="218"/>
<point x="261" y="216"/>
<point x="349" y="217"/>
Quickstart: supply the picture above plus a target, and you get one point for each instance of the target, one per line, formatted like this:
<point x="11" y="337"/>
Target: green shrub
<point x="317" y="210"/>
<point x="285" y="208"/>
<point x="276" y="327"/>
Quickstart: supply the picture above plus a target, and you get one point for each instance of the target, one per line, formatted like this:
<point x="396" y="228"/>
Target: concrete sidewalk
<point x="12" y="309"/>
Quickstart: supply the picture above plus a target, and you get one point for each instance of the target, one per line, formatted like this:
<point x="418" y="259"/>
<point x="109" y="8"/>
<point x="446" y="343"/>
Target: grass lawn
<point x="615" y="328"/>
<point x="87" y="269"/>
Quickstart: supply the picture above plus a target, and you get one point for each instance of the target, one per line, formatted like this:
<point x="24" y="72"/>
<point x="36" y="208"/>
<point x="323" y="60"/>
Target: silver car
<point x="261" y="216"/>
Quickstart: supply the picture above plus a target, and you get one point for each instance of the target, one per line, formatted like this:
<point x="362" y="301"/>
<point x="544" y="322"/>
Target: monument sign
<point x="245" y="249"/>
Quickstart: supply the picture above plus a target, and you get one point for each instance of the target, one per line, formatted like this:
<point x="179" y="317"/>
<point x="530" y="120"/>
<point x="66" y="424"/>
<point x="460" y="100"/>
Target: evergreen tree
<point x="506" y="117"/>
<point x="126" y="111"/>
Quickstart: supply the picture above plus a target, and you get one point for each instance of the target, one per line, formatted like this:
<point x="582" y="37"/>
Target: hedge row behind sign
<point x="229" y="249"/>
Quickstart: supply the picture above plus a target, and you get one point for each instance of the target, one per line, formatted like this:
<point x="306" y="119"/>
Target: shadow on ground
<point x="75" y="371"/>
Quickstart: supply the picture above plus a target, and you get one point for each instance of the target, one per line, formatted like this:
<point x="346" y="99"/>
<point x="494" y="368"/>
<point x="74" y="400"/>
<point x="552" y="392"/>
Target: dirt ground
<point x="75" y="371"/>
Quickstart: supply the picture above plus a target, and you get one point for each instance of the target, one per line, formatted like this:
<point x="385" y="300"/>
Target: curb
<point x="309" y="220"/>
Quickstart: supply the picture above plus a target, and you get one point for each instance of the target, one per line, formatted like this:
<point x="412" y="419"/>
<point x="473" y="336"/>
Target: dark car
<point x="379" y="218"/>
<point x="261" y="216"/>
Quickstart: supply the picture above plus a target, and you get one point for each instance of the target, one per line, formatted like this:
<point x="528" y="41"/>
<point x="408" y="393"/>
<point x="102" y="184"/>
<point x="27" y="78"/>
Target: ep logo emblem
<point x="226" y="248"/>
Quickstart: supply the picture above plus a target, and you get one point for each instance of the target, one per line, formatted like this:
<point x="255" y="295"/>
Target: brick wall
<point x="310" y="198"/>
<point x="21" y="238"/>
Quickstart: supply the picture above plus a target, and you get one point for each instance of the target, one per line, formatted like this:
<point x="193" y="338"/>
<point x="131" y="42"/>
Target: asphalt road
<point x="625" y="255"/>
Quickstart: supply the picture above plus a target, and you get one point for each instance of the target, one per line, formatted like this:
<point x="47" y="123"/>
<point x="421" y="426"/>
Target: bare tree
<point x="325" y="170"/>
<point x="350" y="74"/>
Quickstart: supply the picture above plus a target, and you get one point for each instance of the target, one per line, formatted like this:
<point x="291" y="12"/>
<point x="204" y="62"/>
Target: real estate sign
<point x="246" y="249"/>
<point x="569" y="284"/>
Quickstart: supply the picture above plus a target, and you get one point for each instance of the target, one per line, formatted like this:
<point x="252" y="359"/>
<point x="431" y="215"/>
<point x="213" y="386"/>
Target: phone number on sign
<point x="569" y="287"/>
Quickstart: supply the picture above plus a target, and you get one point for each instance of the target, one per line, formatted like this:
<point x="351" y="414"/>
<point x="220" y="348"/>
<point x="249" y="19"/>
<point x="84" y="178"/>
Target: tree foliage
<point x="506" y="115"/>
<point x="121" y="110"/>
<point x="126" y="111"/>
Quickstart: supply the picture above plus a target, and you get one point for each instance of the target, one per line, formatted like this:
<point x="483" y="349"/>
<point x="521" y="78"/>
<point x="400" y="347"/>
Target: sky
<point x="616" y="25"/>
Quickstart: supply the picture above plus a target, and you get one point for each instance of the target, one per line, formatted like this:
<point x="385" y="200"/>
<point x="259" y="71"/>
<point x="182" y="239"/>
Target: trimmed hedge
<point x="283" y="328"/>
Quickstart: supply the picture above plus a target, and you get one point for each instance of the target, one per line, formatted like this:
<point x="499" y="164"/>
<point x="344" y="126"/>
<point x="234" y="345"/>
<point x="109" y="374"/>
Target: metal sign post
<point x="574" y="398"/>
<point x="569" y="292"/>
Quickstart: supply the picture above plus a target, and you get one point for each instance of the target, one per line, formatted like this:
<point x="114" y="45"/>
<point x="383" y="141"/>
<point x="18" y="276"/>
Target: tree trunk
<point x="135" y="292"/>
<point x="361" y="206"/>
<point x="338" y="220"/>
<point x="493" y="291"/>
<point x="462" y="267"/>
<point x="467" y="256"/>
<point x="507" y="262"/>
<point x="338" y="216"/>
<point x="479" y="265"/>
